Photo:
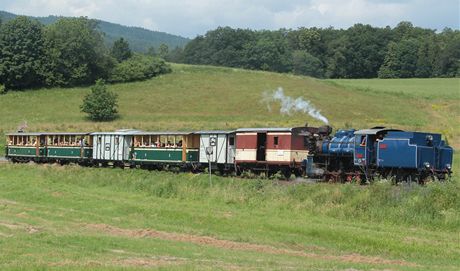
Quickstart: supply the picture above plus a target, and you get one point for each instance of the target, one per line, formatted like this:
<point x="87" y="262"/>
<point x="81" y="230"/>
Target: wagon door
<point x="204" y="139"/>
<point x="117" y="152"/>
<point x="108" y="148"/>
<point x="261" y="146"/>
<point x="125" y="149"/>
<point x="97" y="147"/>
<point x="221" y="149"/>
<point x="231" y="149"/>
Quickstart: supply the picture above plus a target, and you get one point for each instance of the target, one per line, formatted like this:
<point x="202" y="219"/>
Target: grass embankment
<point x="201" y="97"/>
<point x="77" y="217"/>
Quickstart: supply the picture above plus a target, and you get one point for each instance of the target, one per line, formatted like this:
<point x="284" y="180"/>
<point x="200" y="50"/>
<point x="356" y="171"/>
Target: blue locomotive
<point x="388" y="153"/>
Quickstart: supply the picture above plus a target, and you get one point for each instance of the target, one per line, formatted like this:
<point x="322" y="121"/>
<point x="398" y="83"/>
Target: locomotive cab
<point x="366" y="146"/>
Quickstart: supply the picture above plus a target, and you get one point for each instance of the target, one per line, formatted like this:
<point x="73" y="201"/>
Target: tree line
<point x="361" y="51"/>
<point x="68" y="52"/>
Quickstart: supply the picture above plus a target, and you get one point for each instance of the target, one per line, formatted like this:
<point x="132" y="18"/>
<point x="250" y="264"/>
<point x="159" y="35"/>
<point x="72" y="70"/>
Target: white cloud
<point x="192" y="17"/>
<point x="56" y="7"/>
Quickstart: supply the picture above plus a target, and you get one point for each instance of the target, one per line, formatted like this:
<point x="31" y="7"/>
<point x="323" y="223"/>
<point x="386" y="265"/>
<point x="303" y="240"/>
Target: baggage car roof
<point x="163" y="133"/>
<point x="214" y="132"/>
<point x="118" y="132"/>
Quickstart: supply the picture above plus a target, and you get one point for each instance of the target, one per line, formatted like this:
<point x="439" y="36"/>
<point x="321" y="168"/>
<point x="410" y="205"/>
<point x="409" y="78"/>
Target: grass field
<point x="426" y="88"/>
<point x="201" y="97"/>
<point x="80" y="218"/>
<point x="72" y="217"/>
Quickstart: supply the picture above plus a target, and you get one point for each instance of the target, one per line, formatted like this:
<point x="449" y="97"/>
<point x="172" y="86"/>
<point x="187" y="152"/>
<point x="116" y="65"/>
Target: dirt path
<point x="232" y="245"/>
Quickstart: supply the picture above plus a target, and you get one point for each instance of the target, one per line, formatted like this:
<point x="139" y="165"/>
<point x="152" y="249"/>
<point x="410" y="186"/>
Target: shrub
<point x="2" y="89"/>
<point x="138" y="67"/>
<point x="100" y="104"/>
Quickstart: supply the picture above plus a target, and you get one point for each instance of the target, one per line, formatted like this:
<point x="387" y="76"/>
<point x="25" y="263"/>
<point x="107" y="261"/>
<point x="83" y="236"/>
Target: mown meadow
<point x="74" y="217"/>
<point x="92" y="218"/>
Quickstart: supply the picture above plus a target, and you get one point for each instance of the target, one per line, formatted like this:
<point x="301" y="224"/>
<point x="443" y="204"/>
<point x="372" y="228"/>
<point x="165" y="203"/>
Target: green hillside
<point x="203" y="97"/>
<point x="140" y="39"/>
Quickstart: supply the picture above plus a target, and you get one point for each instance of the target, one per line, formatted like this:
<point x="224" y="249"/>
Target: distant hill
<point x="140" y="39"/>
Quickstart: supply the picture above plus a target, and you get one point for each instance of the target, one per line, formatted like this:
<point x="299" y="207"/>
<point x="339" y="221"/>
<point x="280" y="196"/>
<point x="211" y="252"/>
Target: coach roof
<point x="263" y="130"/>
<point x="45" y="133"/>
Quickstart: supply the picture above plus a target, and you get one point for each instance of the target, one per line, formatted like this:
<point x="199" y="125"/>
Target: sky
<point x="190" y="18"/>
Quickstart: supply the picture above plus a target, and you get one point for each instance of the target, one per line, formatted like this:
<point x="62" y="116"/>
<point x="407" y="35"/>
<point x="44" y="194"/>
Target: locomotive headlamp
<point x="449" y="167"/>
<point x="427" y="165"/>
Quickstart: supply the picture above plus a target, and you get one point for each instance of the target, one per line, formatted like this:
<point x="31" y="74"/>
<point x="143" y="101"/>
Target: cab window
<point x="363" y="141"/>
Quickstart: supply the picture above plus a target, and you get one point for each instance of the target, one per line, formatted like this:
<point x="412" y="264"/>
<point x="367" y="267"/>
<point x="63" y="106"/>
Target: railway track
<point x="3" y="160"/>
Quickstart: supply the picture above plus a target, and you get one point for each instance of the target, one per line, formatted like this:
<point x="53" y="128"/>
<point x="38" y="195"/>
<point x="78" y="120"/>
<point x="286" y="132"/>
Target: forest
<point x="72" y="52"/>
<point x="361" y="51"/>
<point x="68" y="52"/>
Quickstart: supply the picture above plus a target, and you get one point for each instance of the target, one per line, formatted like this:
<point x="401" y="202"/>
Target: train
<point x="348" y="155"/>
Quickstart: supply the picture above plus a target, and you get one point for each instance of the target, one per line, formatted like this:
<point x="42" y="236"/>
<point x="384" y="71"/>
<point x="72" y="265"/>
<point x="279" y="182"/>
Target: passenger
<point x="179" y="144"/>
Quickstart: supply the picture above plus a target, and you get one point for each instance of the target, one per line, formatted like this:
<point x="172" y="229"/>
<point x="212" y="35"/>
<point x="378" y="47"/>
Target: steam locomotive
<point x="348" y="155"/>
<point x="381" y="152"/>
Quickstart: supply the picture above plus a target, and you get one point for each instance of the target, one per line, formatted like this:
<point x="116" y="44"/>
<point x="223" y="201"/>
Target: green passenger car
<point x="22" y="147"/>
<point x="68" y="146"/>
<point x="165" y="147"/>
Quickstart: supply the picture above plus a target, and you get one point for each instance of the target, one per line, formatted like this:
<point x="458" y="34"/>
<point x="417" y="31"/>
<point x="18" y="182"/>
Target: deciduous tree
<point x="76" y="52"/>
<point x="22" y="53"/>
<point x="100" y="104"/>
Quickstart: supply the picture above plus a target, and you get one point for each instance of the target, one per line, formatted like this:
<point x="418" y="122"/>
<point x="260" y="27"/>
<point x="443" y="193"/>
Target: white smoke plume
<point x="290" y="105"/>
